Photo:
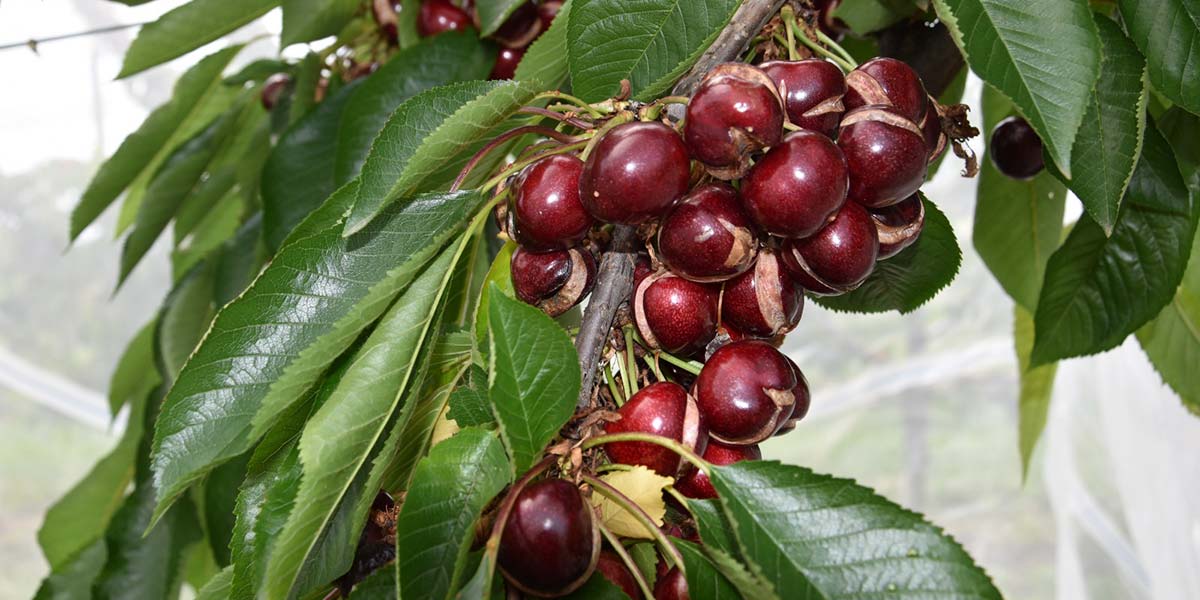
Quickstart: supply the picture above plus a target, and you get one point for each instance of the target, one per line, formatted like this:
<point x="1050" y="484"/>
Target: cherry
<point x="695" y="484"/>
<point x="803" y="400"/>
<point x="707" y="236"/>
<point x="440" y="16"/>
<point x="634" y="173"/>
<point x="1016" y="149"/>
<point x="273" y="89"/>
<point x="551" y="541"/>
<point x="522" y="26"/>
<point x="812" y="91"/>
<point x="506" y="63"/>
<point x="547" y="11"/>
<point x="546" y="212"/>
<point x="797" y="186"/>
<point x="613" y="569"/>
<point x="672" y="586"/>
<point x="553" y="281"/>
<point x="735" y="111"/>
<point x="663" y="409"/>
<point x="831" y="25"/>
<point x="384" y="12"/>
<point x="888" y="82"/>
<point x="744" y="392"/>
<point x="931" y="128"/>
<point x="763" y="302"/>
<point x="839" y="257"/>
<point x="675" y="314"/>
<point x="899" y="225"/>
<point x="886" y="153"/>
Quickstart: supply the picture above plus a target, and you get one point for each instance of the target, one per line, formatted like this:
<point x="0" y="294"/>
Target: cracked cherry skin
<point x="898" y="225"/>
<point x="764" y="301"/>
<point x="546" y="210"/>
<point x="634" y="173"/>
<point x="440" y="16"/>
<point x="551" y="541"/>
<point x="735" y="111"/>
<point x="676" y="315"/>
<point x="793" y="189"/>
<point x="744" y="392"/>
<point x="552" y="281"/>
<point x="839" y="257"/>
<point x="695" y="484"/>
<point x="812" y="91"/>
<point x="886" y="153"/>
<point x="613" y="569"/>
<point x="707" y="236"/>
<point x="889" y="82"/>
<point x="664" y="409"/>
<point x="803" y="400"/>
<point x="1016" y="149"/>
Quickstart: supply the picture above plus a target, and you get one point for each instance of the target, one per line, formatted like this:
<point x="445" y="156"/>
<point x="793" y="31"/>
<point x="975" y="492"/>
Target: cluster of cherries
<point x="789" y="177"/>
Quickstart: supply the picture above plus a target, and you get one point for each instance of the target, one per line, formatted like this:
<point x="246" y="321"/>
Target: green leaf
<point x="867" y="16"/>
<point x="135" y="375"/>
<point x="305" y="308"/>
<point x="218" y="587"/>
<point x="546" y="59"/>
<point x="534" y="377"/>
<point x="1172" y="339"/>
<point x="648" y="42"/>
<point x="1110" y="138"/>
<point x="186" y="315"/>
<point x="1042" y="54"/>
<point x="1037" y="384"/>
<point x="239" y="261"/>
<point x="73" y="579"/>
<point x="308" y="20"/>
<point x="598" y="587"/>
<point x="188" y="27"/>
<point x="703" y="578"/>
<point x="500" y="276"/>
<point x="437" y="523"/>
<point x="912" y="277"/>
<point x="1168" y="34"/>
<point x="1098" y="290"/>
<point x="207" y="198"/>
<point x="469" y="406"/>
<point x="217" y="501"/>
<point x="258" y="70"/>
<point x="198" y="97"/>
<point x="493" y="13"/>
<point x="380" y="585"/>
<point x="417" y="435"/>
<point x="145" y="561"/>
<point x="425" y="134"/>
<point x="820" y="537"/>
<point x="439" y="60"/>
<point x="299" y="173"/>
<point x="713" y="525"/>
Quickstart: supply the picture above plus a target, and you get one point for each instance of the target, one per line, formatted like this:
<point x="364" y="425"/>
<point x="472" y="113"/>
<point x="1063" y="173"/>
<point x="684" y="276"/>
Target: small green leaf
<point x="469" y="406"/>
<point x="546" y="59"/>
<point x="703" y="578"/>
<point x="1168" y="34"/>
<point x="437" y="523"/>
<point x="1037" y="384"/>
<point x="185" y="316"/>
<point x="648" y="42"/>
<point x="912" y="277"/>
<point x="599" y="587"/>
<point x="218" y="587"/>
<point x="418" y="432"/>
<point x="188" y="27"/>
<point x="534" y="377"/>
<point x="380" y="585"/>
<point x="73" y="579"/>
<point x="308" y="20"/>
<point x="1098" y="290"/>
<point x="713" y="525"/>
<point x="135" y="375"/>
<point x="500" y="276"/>
<point x="258" y="70"/>
<point x="145" y="561"/>
<point x="1172" y="339"/>
<point x="739" y="576"/>
<point x="493" y="14"/>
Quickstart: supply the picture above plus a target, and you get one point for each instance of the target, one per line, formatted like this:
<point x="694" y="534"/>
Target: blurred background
<point x="921" y="407"/>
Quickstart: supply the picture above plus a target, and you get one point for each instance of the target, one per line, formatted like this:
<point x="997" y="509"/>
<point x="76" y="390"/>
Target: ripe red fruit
<point x="547" y="11"/>
<point x="551" y="541"/>
<point x="797" y="186"/>
<point x="888" y="82"/>
<point x="663" y="409"/>
<point x="935" y="136"/>
<point x="672" y="586"/>
<point x="506" y="63"/>
<point x="675" y="314"/>
<point x="803" y="400"/>
<point x="839" y="257"/>
<point x="899" y="225"/>
<point x="707" y="236"/>
<point x="764" y="301"/>
<point x="613" y="569"/>
<point x="552" y="281"/>
<point x="744" y="392"/>
<point x="812" y="91"/>
<point x="439" y="16"/>
<point x="546" y="211"/>
<point x="1016" y="149"/>
<point x="695" y="484"/>
<point x="274" y="88"/>
<point x="521" y="27"/>
<point x="736" y="111"/>
<point x="634" y="173"/>
<point x="886" y="153"/>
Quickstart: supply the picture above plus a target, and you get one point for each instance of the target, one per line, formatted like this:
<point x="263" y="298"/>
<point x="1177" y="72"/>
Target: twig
<point x="33" y="44"/>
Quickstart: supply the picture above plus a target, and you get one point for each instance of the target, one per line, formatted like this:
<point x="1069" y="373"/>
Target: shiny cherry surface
<point x="634" y="173"/>
<point x="812" y="91"/>
<point x="764" y="301"/>
<point x="695" y="484"/>
<point x="664" y="409"/>
<point x="890" y="82"/>
<point x="1016" y="149"/>
<point x="744" y="392"/>
<point x="707" y="236"/>
<point x="550" y="543"/>
<point x="839" y="257"/>
<point x="546" y="210"/>
<point x="886" y="153"/>
<point x="796" y="186"/>
<point x="439" y="16"/>
<point x="675" y="314"/>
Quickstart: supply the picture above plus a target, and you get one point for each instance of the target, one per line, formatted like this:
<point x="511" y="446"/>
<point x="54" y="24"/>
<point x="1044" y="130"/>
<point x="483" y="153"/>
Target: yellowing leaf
<point x="643" y="486"/>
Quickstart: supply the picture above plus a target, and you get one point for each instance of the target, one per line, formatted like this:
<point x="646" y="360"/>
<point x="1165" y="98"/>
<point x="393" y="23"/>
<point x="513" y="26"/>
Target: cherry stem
<point x="690" y="366"/>
<point x="631" y="359"/>
<point x="828" y="41"/>
<point x="633" y="508"/>
<point x="502" y="138"/>
<point x="613" y="389"/>
<point x="619" y="119"/>
<point x="579" y="102"/>
<point x="516" y="166"/>
<point x="818" y="48"/>
<point x="665" y="442"/>
<point x="652" y="362"/>
<point x="679" y="497"/>
<point x="549" y="114"/>
<point x="619" y="548"/>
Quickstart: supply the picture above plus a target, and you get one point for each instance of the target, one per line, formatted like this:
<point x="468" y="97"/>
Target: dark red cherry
<point x="546" y="210"/>
<point x="1016" y="149"/>
<point x="898" y="225"/>
<point x="889" y="82"/>
<point x="521" y="27"/>
<point x="634" y="173"/>
<point x="764" y="301"/>
<point x="675" y="314"/>
<point x="831" y="25"/>
<point x="886" y="153"/>
<point x="736" y="111"/>
<point x="385" y="15"/>
<point x="797" y="186"/>
<point x="439" y="16"/>
<point x="613" y="569"/>
<point x="553" y="281"/>
<point x="935" y="136"/>
<point x="744" y="392"/>
<point x="695" y="484"/>
<point x="551" y="542"/>
<point x="839" y="257"/>
<point x="663" y="409"/>
<point x="274" y="88"/>
<point x="812" y="91"/>
<point x="707" y="236"/>
<point x="803" y="400"/>
<point x="547" y="11"/>
<point x="506" y="63"/>
<point x="672" y="586"/>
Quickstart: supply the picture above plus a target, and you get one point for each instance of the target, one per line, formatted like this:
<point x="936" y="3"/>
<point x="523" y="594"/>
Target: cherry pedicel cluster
<point x="521" y="28"/>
